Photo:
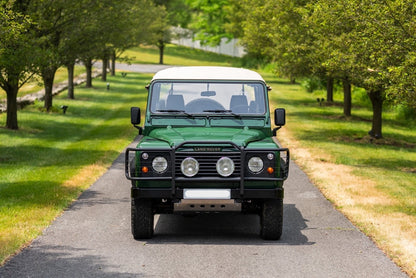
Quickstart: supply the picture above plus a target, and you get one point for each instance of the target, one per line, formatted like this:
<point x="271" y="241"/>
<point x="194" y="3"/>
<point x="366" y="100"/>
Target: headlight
<point x="160" y="164"/>
<point x="225" y="166"/>
<point x="255" y="164"/>
<point x="189" y="167"/>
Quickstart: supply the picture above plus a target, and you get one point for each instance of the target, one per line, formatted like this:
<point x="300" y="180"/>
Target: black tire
<point x="271" y="218"/>
<point x="141" y="218"/>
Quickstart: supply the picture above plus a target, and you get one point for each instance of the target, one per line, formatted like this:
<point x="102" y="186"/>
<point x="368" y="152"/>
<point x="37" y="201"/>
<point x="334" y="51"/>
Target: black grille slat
<point x="207" y="162"/>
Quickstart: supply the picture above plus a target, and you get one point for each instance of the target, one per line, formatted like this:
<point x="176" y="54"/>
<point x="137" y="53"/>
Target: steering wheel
<point x="201" y="104"/>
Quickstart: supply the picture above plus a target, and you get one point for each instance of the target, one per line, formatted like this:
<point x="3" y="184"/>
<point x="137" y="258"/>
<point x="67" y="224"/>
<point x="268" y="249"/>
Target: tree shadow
<point x="60" y="261"/>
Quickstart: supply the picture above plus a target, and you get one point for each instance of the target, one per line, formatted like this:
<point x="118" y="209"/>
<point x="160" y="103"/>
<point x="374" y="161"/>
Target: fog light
<point x="225" y="166"/>
<point x="255" y="164"/>
<point x="189" y="167"/>
<point x="160" y="164"/>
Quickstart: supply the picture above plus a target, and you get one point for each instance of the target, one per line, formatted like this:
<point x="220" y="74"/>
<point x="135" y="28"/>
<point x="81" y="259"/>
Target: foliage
<point x="42" y="35"/>
<point x="274" y="29"/>
<point x="210" y="18"/>
<point x="17" y="58"/>
<point x="312" y="84"/>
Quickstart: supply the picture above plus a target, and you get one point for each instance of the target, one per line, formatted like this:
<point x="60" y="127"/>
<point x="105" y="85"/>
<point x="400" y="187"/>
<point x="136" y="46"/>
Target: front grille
<point x="207" y="163"/>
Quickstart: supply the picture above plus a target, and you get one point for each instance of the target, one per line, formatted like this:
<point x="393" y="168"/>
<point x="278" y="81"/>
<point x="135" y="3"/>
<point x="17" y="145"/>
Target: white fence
<point x="230" y="48"/>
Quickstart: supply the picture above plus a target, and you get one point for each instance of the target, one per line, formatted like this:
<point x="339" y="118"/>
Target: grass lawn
<point x="373" y="182"/>
<point x="52" y="158"/>
<point x="36" y="85"/>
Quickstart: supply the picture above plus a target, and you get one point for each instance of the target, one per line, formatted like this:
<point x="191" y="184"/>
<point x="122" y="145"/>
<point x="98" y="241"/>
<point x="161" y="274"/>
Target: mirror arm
<point x="276" y="129"/>
<point x="139" y="128"/>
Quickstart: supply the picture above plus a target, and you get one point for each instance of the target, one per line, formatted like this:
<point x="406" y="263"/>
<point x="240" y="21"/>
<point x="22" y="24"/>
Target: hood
<point x="177" y="135"/>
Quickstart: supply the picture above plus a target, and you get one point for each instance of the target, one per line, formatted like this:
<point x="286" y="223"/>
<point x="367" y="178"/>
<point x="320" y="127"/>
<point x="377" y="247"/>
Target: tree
<point x="16" y="55"/>
<point x="209" y="20"/>
<point x="368" y="42"/>
<point x="402" y="75"/>
<point x="52" y="17"/>
<point x="274" y="29"/>
<point x="168" y="13"/>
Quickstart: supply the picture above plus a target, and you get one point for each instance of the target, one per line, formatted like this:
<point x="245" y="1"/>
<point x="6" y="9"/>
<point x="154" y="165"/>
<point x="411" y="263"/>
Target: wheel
<point x="141" y="218"/>
<point x="271" y="219"/>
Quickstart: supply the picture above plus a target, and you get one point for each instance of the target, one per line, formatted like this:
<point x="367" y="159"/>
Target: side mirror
<point x="279" y="119"/>
<point x="280" y="116"/>
<point x="135" y="118"/>
<point x="135" y="115"/>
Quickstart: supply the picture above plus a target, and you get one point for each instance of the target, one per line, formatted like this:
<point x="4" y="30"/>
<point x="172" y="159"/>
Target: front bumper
<point x="178" y="183"/>
<point x="166" y="193"/>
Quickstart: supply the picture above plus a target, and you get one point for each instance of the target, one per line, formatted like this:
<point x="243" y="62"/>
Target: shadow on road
<point x="227" y="229"/>
<point x="59" y="261"/>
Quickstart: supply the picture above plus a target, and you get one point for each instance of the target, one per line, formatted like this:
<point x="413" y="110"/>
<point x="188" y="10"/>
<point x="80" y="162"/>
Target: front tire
<point x="271" y="218"/>
<point x="142" y="218"/>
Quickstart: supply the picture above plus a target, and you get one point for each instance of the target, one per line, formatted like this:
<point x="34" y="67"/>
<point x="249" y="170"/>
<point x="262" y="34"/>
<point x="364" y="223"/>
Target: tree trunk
<point x="346" y="84"/>
<point x="377" y="99"/>
<point x="161" y="46"/>
<point x="48" y="75"/>
<point x="113" y="63"/>
<point x="11" y="91"/>
<point x="70" y="68"/>
<point x="330" y="89"/>
<point x="104" y="69"/>
<point x="88" y="68"/>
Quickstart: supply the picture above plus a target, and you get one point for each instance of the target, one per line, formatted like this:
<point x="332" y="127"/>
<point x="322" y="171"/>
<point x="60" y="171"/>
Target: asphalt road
<point x="93" y="239"/>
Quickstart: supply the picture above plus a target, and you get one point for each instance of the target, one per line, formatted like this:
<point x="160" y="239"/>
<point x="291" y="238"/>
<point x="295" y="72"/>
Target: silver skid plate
<point x="207" y="206"/>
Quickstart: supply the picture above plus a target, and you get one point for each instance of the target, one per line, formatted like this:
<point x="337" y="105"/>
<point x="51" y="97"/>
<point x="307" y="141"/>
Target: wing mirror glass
<point x="280" y="116"/>
<point x="279" y="119"/>
<point x="135" y="115"/>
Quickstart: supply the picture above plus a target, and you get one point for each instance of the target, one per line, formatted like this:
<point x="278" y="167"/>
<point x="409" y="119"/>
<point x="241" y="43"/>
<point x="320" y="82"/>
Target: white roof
<point x="207" y="73"/>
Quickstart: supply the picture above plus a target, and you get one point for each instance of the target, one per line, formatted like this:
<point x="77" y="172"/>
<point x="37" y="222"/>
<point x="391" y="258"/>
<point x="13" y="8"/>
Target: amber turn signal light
<point x="270" y="170"/>
<point x="145" y="169"/>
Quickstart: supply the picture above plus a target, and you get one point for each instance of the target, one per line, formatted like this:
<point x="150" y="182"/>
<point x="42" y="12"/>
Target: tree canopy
<point x="39" y="36"/>
<point x="370" y="44"/>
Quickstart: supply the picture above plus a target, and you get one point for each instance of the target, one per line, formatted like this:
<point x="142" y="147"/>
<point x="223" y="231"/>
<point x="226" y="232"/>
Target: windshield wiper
<point x="223" y="111"/>
<point x="175" y="111"/>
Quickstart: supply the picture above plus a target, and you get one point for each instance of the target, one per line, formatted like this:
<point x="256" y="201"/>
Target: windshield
<point x="208" y="97"/>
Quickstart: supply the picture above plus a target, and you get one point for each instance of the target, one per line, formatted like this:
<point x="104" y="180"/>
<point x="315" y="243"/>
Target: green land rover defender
<point x="206" y="146"/>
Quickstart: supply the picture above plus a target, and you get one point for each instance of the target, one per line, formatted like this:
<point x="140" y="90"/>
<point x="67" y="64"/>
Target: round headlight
<point x="160" y="164"/>
<point x="225" y="166"/>
<point x="189" y="167"/>
<point x="255" y="164"/>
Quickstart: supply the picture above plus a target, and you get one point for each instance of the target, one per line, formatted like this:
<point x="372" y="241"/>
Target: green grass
<point x="381" y="201"/>
<point x="179" y="55"/>
<point x="390" y="162"/>
<point x="53" y="157"/>
<point x="35" y="85"/>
